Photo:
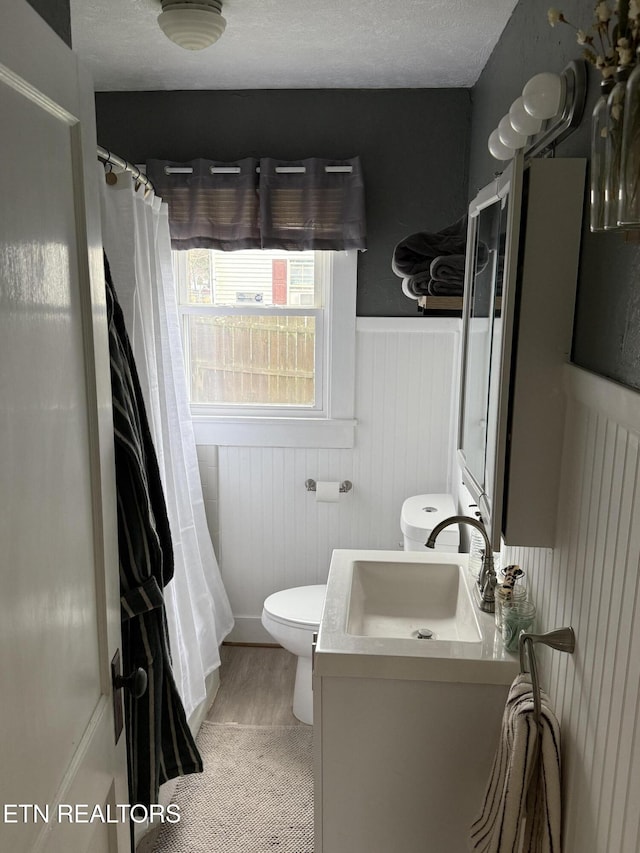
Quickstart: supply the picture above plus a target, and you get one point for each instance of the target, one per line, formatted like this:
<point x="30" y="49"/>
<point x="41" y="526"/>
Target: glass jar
<point x="507" y="596"/>
<point x="629" y="193"/>
<point x="599" y="125"/>
<point x="519" y="617"/>
<point x="613" y="147"/>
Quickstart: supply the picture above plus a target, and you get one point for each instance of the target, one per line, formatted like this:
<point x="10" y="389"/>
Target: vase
<point x="599" y="129"/>
<point x="613" y="147"/>
<point x="629" y="191"/>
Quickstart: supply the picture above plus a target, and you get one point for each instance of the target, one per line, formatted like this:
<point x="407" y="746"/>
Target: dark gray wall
<point x="57" y="14"/>
<point x="607" y="323"/>
<point x="413" y="145"/>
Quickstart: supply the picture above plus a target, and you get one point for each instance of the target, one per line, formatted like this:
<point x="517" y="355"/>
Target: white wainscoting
<point x="590" y="580"/>
<point x="270" y="532"/>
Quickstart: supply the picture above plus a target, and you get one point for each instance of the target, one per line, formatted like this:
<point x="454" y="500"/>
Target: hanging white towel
<point x="522" y="811"/>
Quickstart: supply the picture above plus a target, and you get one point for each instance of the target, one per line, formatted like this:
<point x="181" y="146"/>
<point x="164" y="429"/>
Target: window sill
<point x="322" y="433"/>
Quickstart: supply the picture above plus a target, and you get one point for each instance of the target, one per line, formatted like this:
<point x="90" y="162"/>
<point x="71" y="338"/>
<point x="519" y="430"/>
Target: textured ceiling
<point x="294" y="44"/>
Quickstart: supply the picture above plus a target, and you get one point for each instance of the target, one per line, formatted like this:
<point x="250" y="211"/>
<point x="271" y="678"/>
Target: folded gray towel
<point x="448" y="268"/>
<point x="415" y="253"/>
<point x="445" y="288"/>
<point x="408" y="290"/>
<point x="415" y="286"/>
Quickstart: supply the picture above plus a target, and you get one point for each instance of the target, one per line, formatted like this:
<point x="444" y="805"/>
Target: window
<point x="268" y="341"/>
<point x="253" y="328"/>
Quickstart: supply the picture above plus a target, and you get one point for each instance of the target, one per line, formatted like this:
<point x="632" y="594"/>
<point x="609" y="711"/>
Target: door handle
<point x="136" y="683"/>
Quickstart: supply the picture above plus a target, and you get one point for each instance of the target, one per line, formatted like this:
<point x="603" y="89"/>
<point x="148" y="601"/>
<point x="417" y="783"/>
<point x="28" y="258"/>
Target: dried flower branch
<point x="613" y="37"/>
<point x="555" y="16"/>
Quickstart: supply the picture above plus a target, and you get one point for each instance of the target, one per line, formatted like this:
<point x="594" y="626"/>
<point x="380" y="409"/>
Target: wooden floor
<point x="256" y="687"/>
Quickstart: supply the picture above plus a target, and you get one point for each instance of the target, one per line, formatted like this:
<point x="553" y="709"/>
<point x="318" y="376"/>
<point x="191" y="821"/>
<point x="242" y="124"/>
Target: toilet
<point x="418" y="517"/>
<point x="292" y="616"/>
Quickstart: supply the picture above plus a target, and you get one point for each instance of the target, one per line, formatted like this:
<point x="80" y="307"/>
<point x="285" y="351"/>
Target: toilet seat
<point x="299" y="607"/>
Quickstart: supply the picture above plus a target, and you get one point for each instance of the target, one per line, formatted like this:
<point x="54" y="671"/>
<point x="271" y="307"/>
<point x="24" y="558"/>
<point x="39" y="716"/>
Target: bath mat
<point x="255" y="794"/>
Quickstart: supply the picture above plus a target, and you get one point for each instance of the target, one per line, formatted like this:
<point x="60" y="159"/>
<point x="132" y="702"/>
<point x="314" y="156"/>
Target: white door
<point x="59" y="599"/>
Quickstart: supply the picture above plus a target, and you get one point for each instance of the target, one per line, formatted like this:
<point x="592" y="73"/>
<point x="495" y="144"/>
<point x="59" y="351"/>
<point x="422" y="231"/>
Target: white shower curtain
<point x="135" y="232"/>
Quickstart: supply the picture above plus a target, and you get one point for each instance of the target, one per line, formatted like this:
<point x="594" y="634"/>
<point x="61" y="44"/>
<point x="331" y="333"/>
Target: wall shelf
<point x="441" y="303"/>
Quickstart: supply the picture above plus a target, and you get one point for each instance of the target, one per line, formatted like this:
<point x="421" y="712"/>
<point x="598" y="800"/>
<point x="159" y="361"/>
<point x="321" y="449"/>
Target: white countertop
<point x="339" y="653"/>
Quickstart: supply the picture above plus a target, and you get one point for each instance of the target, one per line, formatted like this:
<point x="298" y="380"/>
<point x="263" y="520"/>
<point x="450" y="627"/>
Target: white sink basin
<point x="376" y="603"/>
<point x="399" y="599"/>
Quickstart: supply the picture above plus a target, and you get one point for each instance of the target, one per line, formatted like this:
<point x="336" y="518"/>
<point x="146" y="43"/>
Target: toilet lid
<point x="301" y="605"/>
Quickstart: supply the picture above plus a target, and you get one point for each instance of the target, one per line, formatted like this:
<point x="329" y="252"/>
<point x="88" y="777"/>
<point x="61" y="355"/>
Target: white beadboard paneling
<point x="591" y="580"/>
<point x="274" y="535"/>
<point x="208" y="466"/>
<point x="405" y="439"/>
<point x="207" y="455"/>
<point x="272" y="532"/>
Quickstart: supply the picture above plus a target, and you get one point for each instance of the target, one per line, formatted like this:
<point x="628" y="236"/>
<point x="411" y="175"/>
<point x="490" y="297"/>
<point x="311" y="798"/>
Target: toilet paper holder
<point x="345" y="486"/>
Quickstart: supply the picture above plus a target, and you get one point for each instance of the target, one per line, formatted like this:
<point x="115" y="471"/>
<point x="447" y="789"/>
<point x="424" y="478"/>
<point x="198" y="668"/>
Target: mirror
<point x="491" y="261"/>
<point x="521" y="269"/>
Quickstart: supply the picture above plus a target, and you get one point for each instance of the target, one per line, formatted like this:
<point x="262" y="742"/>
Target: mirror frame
<point x="508" y="185"/>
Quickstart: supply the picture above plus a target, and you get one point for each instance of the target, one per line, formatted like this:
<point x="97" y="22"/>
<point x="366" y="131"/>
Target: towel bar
<point x="563" y="639"/>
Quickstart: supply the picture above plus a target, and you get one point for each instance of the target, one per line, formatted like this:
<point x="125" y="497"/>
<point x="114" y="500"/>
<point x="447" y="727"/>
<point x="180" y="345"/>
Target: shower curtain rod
<point x="107" y="157"/>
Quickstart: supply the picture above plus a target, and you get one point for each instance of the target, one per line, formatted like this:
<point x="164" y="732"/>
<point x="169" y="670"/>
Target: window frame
<point x="330" y="422"/>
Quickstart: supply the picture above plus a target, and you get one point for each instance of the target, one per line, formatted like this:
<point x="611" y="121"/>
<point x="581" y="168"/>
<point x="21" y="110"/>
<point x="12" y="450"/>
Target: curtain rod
<point x="107" y="157"/>
<point x="235" y="170"/>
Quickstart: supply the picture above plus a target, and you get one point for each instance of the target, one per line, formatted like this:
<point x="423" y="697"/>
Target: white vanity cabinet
<point x="404" y="729"/>
<point x="400" y="765"/>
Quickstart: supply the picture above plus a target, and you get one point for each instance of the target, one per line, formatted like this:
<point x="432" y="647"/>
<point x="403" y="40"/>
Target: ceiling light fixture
<point x="498" y="149"/>
<point x="550" y="108"/>
<point x="521" y="120"/>
<point x="510" y="137"/>
<point x="192" y="25"/>
<point x="544" y="94"/>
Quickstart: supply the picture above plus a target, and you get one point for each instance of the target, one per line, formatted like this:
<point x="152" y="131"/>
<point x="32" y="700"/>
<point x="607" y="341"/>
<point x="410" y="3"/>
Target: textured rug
<point x="254" y="796"/>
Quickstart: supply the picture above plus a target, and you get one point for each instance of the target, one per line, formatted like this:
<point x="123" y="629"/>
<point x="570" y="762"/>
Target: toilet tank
<point x="419" y="516"/>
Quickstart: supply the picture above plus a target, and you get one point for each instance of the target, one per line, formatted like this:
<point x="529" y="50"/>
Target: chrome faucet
<point x="487" y="580"/>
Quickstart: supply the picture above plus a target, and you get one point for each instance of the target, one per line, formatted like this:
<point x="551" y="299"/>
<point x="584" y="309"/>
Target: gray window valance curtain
<point x="263" y="204"/>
